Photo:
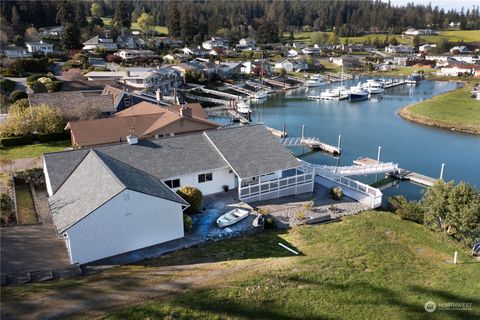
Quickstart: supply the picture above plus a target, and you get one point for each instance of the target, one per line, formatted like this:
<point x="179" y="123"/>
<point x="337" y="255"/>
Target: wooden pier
<point x="312" y="143"/>
<point x="394" y="84"/>
<point x="281" y="84"/>
<point x="276" y="132"/>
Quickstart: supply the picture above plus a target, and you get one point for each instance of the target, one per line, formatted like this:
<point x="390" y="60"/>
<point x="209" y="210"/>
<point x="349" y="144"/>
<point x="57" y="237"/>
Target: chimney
<point x="127" y="73"/>
<point x="132" y="138"/>
<point x="186" y="112"/>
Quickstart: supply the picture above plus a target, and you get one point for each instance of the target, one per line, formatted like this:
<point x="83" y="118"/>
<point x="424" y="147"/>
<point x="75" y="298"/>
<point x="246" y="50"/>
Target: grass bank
<point x="454" y="110"/>
<point x="25" y="210"/>
<point x="33" y="150"/>
<point x="370" y="266"/>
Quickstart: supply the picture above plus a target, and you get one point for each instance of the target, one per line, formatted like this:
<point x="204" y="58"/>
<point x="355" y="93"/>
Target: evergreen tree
<point x="188" y="27"/>
<point x="267" y="32"/>
<point x="80" y="15"/>
<point x="71" y="37"/>
<point x="173" y="19"/>
<point x="121" y="17"/>
<point x="65" y="13"/>
<point x="16" y="21"/>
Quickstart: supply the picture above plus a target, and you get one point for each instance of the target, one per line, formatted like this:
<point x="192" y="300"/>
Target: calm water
<point x="365" y="125"/>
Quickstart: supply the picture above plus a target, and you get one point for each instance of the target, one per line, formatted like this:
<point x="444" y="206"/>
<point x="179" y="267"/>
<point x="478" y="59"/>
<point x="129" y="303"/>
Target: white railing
<point x="275" y="185"/>
<point x="374" y="193"/>
<point x="309" y="141"/>
<point x="359" y="170"/>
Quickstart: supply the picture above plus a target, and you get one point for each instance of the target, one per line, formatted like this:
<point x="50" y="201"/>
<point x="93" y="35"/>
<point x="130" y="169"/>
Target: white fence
<point x="359" y="170"/>
<point x="374" y="195"/>
<point x="276" y="188"/>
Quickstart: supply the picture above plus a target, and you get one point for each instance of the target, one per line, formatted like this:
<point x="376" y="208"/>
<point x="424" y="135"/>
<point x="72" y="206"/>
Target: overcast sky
<point x="445" y="4"/>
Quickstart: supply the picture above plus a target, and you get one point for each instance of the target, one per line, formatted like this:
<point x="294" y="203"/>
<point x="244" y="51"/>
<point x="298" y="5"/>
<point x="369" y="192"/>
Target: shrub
<point x="11" y="72"/>
<point x="7" y="85"/>
<point x="32" y="65"/>
<point x="17" y="95"/>
<point x="55" y="136"/>
<point x="193" y="196"/>
<point x="16" y="141"/>
<point x="263" y="211"/>
<point x="32" y="79"/>
<point x="113" y="58"/>
<point x="406" y="210"/>
<point x="187" y="222"/>
<point x="6" y="203"/>
<point x="39" y="87"/>
<point x="300" y="214"/>
<point x="270" y="223"/>
<point x="336" y="193"/>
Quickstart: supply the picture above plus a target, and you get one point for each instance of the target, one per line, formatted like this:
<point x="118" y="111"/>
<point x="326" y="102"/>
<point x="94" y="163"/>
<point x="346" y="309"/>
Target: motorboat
<point x="260" y="94"/>
<point x="373" y="86"/>
<point x="243" y="108"/>
<point x="334" y="93"/>
<point x="415" y="78"/>
<point x="315" y="81"/>
<point x="357" y="93"/>
<point x="232" y="217"/>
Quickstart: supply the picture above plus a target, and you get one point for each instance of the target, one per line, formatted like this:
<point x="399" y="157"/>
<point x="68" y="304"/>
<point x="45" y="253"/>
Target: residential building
<point x="346" y="61"/>
<point x="130" y="42"/>
<point x="147" y="120"/>
<point x="460" y="49"/>
<point x="97" y="43"/>
<point x="421" y="32"/>
<point x="290" y="65"/>
<point x="168" y="42"/>
<point x="459" y="69"/>
<point x="292" y="53"/>
<point x="73" y="103"/>
<point x="426" y="47"/>
<point x="130" y="54"/>
<point x="12" y="51"/>
<point x="401" y="48"/>
<point x="39" y="47"/>
<point x="55" y="31"/>
<point x="215" y="42"/>
<point x="311" y="51"/>
<point x="113" y="199"/>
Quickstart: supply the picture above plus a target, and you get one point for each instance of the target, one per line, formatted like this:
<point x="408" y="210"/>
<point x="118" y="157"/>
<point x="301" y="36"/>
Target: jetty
<point x="221" y="94"/>
<point x="336" y="98"/>
<point x="312" y="143"/>
<point x="281" y="84"/>
<point x="259" y="86"/>
<point x="207" y="99"/>
<point x="399" y="173"/>
<point x="277" y="133"/>
<point x="239" y="89"/>
<point x="394" y="83"/>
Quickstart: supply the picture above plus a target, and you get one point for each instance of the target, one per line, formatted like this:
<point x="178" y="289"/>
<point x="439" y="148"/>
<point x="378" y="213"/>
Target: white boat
<point x="232" y="217"/>
<point x="260" y="94"/>
<point x="243" y="108"/>
<point x="357" y="93"/>
<point x="415" y="78"/>
<point x="334" y="93"/>
<point x="315" y="81"/>
<point x="373" y="87"/>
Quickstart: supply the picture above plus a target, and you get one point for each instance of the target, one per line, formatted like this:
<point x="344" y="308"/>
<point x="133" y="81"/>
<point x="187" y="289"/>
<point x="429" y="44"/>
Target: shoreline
<point x="408" y="115"/>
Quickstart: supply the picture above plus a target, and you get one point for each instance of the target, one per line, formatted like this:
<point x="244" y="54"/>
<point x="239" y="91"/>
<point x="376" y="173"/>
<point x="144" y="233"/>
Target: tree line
<point x="195" y="21"/>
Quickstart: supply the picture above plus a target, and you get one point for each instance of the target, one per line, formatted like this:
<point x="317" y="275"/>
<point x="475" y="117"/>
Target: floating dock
<point x="312" y="143"/>
<point x="394" y="84"/>
<point x="401" y="174"/>
<point x="277" y="133"/>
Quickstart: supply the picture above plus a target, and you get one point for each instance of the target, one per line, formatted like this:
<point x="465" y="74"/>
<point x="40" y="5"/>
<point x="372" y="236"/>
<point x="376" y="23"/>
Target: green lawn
<point x="373" y="266"/>
<point x="25" y="210"/>
<point x="161" y="29"/>
<point x="451" y="35"/>
<point x="33" y="150"/>
<point x="454" y="107"/>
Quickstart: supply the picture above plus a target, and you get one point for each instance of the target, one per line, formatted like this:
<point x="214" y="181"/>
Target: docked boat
<point x="415" y="78"/>
<point x="232" y="217"/>
<point x="260" y="94"/>
<point x="243" y="108"/>
<point x="334" y="93"/>
<point x="315" y="81"/>
<point x="357" y="93"/>
<point x="373" y="86"/>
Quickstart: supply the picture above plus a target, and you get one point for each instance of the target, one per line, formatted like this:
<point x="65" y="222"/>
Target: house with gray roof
<point x="90" y="182"/>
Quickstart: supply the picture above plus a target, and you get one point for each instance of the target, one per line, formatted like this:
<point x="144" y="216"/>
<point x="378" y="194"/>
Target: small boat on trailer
<point x="232" y="217"/>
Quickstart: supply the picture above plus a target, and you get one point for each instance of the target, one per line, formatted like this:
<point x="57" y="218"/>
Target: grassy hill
<point x="454" y="109"/>
<point x="370" y="266"/>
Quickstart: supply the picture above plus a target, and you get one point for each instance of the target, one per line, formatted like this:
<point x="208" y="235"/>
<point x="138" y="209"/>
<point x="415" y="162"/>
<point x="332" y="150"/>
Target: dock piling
<point x="339" y="141"/>
<point x="303" y="131"/>
<point x="378" y="153"/>
<point x="441" y="171"/>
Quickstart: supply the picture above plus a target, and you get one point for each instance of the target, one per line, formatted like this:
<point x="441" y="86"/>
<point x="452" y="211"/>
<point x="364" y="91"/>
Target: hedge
<point x="56" y="136"/>
<point x="16" y="141"/>
<point x="7" y="85"/>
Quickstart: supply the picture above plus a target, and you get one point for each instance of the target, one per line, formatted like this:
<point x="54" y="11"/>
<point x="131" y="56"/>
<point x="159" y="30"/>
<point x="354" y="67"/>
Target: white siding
<point x="221" y="177"/>
<point x="129" y="221"/>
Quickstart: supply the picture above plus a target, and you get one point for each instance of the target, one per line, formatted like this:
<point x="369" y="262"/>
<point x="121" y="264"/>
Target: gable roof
<point x="84" y="192"/>
<point x="251" y="150"/>
<point x="162" y="158"/>
<point x="70" y="101"/>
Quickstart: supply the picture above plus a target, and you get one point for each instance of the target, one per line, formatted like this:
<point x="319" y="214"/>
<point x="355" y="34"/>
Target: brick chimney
<point x="186" y="111"/>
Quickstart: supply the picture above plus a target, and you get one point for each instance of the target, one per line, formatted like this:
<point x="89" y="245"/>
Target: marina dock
<point x="401" y="174"/>
<point x="277" y="133"/>
<point x="341" y="97"/>
<point x="312" y="143"/>
<point x="394" y="83"/>
<point x="281" y="84"/>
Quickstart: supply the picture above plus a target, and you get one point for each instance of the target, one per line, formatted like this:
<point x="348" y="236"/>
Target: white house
<point x="215" y="43"/>
<point x="415" y="32"/>
<point x="426" y="47"/>
<point x="129" y="54"/>
<point x="401" y="48"/>
<point x="454" y="24"/>
<point x="97" y="43"/>
<point x="311" y="51"/>
<point x="11" y="51"/>
<point x="292" y="53"/>
<point x="460" y="49"/>
<point x="290" y="65"/>
<point x="346" y="61"/>
<point x="460" y="70"/>
<point x="113" y="199"/>
<point x="39" y="46"/>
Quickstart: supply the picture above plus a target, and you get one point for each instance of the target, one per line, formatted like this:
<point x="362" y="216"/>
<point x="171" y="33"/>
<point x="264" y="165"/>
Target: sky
<point x="445" y="4"/>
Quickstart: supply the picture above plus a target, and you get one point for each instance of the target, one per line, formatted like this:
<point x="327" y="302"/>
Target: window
<point x="204" y="177"/>
<point x="126" y="101"/>
<point x="173" y="183"/>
